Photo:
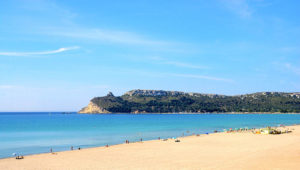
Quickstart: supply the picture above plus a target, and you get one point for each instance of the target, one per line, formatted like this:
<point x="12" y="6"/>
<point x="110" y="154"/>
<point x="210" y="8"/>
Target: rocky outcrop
<point x="93" y="108"/>
<point x="139" y="92"/>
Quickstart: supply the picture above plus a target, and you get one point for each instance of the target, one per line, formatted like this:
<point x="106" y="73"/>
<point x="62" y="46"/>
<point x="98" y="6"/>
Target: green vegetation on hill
<point x="139" y="101"/>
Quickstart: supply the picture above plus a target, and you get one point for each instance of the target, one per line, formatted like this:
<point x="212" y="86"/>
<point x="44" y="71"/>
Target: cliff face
<point x="93" y="108"/>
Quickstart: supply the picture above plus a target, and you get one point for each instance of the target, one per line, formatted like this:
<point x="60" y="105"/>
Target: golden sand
<point x="214" y="151"/>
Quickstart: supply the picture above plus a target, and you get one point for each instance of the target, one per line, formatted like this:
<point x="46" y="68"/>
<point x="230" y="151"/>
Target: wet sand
<point x="239" y="150"/>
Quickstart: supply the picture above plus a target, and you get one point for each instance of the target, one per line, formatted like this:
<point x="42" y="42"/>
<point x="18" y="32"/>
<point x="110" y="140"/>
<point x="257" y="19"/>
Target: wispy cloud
<point x="292" y="68"/>
<point x="195" y="76"/>
<point x="107" y="36"/>
<point x="293" y="49"/>
<point x="57" y="11"/>
<point x="168" y="74"/>
<point x="161" y="60"/>
<point x="7" y="86"/>
<point x="69" y="29"/>
<point x="239" y="7"/>
<point x="38" y="52"/>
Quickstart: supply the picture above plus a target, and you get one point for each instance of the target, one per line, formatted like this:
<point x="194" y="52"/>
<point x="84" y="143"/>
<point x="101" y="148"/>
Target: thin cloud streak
<point x="287" y="67"/>
<point x="194" y="76"/>
<point x="6" y="86"/>
<point x="60" y="50"/>
<point x="108" y="36"/>
<point x="239" y="7"/>
<point x="292" y="68"/>
<point x="168" y="74"/>
<point x="177" y="63"/>
<point x="185" y="65"/>
<point x="201" y="77"/>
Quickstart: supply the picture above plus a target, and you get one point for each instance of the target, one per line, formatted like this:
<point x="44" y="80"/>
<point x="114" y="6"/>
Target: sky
<point x="57" y="55"/>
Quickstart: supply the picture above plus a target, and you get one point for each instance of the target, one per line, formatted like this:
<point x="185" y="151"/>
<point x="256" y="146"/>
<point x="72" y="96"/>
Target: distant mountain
<point x="160" y="101"/>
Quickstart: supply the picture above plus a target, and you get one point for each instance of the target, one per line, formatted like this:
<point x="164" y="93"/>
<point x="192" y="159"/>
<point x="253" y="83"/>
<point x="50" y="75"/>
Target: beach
<point x="238" y="150"/>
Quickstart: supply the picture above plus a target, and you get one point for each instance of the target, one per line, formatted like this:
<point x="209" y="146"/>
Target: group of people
<point x="72" y="148"/>
<point x="127" y="141"/>
<point x="18" y="156"/>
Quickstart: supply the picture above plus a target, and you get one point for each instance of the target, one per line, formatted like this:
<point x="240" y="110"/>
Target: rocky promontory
<point x="160" y="101"/>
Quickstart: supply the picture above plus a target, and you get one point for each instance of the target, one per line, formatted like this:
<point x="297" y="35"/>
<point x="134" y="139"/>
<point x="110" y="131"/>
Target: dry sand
<point x="213" y="151"/>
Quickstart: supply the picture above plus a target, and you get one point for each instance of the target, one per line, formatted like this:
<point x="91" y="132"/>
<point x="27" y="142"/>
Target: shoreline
<point x="123" y="148"/>
<point x="132" y="113"/>
<point x="195" y="113"/>
<point x="132" y="142"/>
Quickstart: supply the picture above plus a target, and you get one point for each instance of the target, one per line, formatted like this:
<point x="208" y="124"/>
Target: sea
<point x="37" y="132"/>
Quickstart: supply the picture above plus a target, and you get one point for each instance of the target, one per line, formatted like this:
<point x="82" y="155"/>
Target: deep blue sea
<point x="31" y="133"/>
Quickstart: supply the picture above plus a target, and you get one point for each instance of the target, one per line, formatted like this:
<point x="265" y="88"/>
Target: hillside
<point x="159" y="101"/>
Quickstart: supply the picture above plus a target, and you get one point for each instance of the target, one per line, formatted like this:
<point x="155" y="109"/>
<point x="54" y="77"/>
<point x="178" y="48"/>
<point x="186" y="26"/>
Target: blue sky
<point x="57" y="55"/>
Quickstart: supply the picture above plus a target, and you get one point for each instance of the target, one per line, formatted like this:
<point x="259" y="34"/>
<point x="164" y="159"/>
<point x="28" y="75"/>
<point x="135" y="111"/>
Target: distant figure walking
<point x="107" y="145"/>
<point x="50" y="150"/>
<point x="79" y="148"/>
<point x="158" y="138"/>
<point x="71" y="148"/>
<point x="141" y="139"/>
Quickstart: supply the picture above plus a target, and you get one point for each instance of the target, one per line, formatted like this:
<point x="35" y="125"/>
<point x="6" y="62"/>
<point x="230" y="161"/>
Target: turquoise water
<point x="31" y="133"/>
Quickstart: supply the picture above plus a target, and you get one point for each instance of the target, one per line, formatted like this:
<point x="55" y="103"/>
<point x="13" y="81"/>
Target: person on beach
<point x="141" y="139"/>
<point x="71" y="148"/>
<point x="19" y="157"/>
<point x="50" y="150"/>
<point x="79" y="148"/>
